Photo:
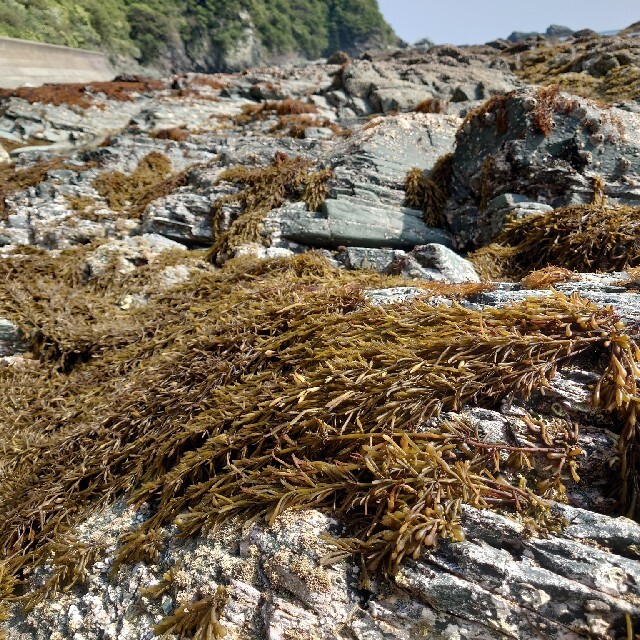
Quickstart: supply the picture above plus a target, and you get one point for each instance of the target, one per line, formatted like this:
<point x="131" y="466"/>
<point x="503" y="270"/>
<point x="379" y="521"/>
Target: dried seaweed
<point x="547" y="277"/>
<point x="286" y="107"/>
<point x="430" y="105"/>
<point x="493" y="111"/>
<point x="547" y="98"/>
<point x="176" y="134"/>
<point x="579" y="237"/>
<point x="296" y="125"/>
<point x="83" y="95"/>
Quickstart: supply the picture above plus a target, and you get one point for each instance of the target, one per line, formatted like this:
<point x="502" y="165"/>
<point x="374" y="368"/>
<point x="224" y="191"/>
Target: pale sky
<point x="478" y="21"/>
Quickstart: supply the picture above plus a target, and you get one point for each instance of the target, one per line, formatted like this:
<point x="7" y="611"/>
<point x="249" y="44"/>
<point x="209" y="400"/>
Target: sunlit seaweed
<point x="151" y="179"/>
<point x="265" y="189"/>
<point x="579" y="237"/>
<point x="430" y="193"/>
<point x="274" y="385"/>
<point x="198" y="620"/>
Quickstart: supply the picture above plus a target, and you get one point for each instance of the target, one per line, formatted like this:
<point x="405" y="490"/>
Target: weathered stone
<point x="348" y="221"/>
<point x="508" y="153"/>
<point x="184" y="216"/>
<point x="127" y="254"/>
<point x="5" y="158"/>
<point x="379" y="260"/>
<point x="383" y="152"/>
<point x="451" y="266"/>
<point x="12" y="341"/>
<point x="402" y="79"/>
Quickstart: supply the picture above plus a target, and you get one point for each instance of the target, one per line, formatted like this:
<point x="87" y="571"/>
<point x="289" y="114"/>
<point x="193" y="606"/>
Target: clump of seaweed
<point x="430" y="193"/>
<point x="295" y="125"/>
<point x="151" y="179"/>
<point x="430" y="105"/>
<point x="83" y="95"/>
<point x="265" y="189"/>
<point x="198" y="620"/>
<point x="286" y="107"/>
<point x="176" y="134"/>
<point x="547" y="99"/>
<point x="579" y="237"/>
<point x="70" y="560"/>
<point x="493" y="111"/>
<point x="273" y="385"/>
<point x="547" y="277"/>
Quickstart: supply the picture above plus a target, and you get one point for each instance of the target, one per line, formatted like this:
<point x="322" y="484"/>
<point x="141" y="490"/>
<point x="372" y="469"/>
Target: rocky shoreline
<point x="143" y="225"/>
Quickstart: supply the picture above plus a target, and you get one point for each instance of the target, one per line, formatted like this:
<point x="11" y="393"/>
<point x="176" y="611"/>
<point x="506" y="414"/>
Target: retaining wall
<point x="23" y="62"/>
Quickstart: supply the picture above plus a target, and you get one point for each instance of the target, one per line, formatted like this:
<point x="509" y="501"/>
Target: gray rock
<point x="127" y="254"/>
<point x="501" y="207"/>
<point x="393" y="295"/>
<point x="627" y="305"/>
<point x="5" y="158"/>
<point x="387" y="148"/>
<point x="347" y="221"/>
<point x="449" y="264"/>
<point x="12" y="341"/>
<point x="433" y="262"/>
<point x="379" y="260"/>
<point x="183" y="216"/>
<point x="504" y="151"/>
<point x="402" y="79"/>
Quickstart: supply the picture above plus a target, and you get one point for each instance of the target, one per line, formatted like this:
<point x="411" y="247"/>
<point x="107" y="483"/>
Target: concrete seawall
<point x="23" y="62"/>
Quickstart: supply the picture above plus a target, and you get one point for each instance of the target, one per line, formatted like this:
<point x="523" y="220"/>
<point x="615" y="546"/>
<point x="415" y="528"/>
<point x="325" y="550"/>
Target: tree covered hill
<point x="203" y="35"/>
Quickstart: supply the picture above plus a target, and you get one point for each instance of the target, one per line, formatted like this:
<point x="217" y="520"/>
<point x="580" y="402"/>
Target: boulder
<point x="433" y="262"/>
<point x="390" y="80"/>
<point x="184" y="217"/>
<point x="541" y="146"/>
<point x="347" y="221"/>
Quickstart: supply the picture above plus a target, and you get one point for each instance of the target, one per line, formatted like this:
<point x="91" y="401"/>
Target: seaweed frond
<point x="272" y="385"/>
<point x="430" y="193"/>
<point x="265" y="189"/>
<point x="546" y="102"/>
<point x="198" y="620"/>
<point x="579" y="237"/>
<point x="430" y="105"/>
<point x="547" y="277"/>
<point x="69" y="560"/>
<point x="151" y="179"/>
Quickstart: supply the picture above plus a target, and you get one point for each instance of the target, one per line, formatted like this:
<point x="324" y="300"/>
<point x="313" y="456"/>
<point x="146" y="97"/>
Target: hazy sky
<point x="478" y="21"/>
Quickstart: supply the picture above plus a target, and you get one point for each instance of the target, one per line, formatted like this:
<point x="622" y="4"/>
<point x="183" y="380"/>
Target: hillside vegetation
<point x="196" y="33"/>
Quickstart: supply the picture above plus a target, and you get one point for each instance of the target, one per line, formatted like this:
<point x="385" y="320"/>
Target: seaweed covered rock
<point x="358" y="442"/>
<point x="591" y="237"/>
<point x="546" y="146"/>
<point x="605" y="68"/>
<point x="498" y="583"/>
